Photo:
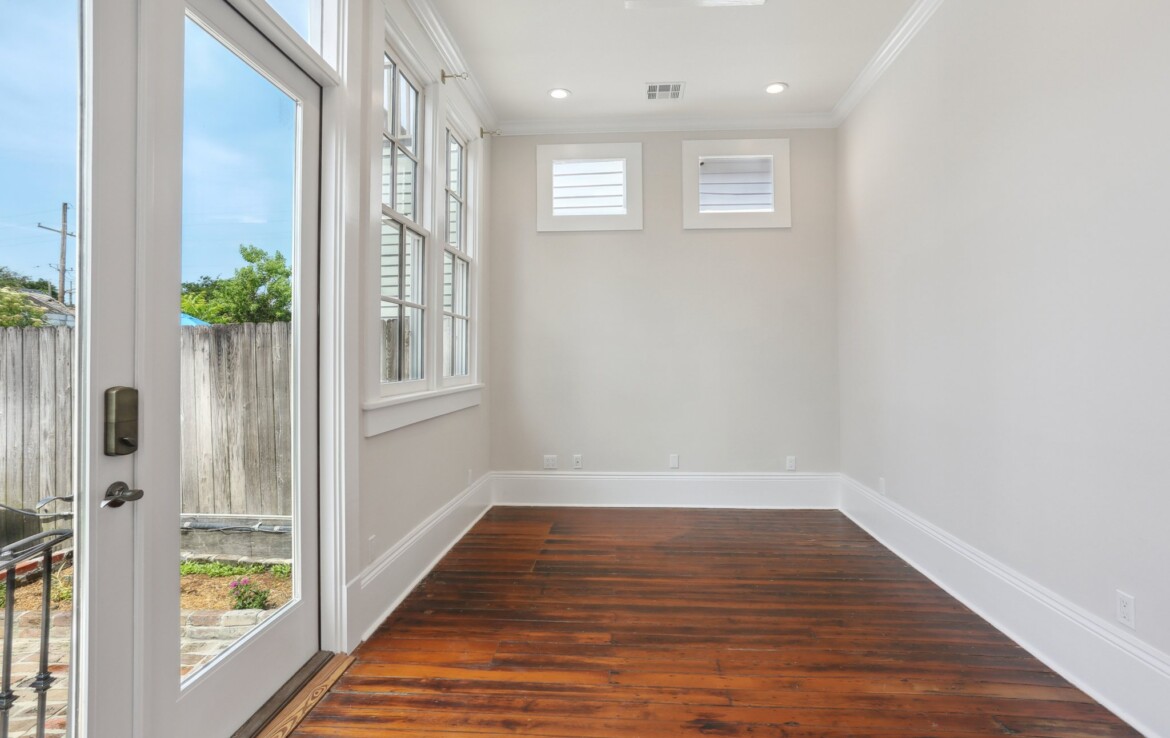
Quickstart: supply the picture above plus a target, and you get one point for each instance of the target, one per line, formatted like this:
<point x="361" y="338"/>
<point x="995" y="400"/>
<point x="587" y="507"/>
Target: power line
<point x="17" y="216"/>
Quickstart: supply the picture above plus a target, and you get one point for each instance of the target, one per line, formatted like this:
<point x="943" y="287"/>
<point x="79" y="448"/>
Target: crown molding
<point x="641" y="124"/>
<point x="911" y="24"/>
<point x="452" y="57"/>
<point x="916" y="17"/>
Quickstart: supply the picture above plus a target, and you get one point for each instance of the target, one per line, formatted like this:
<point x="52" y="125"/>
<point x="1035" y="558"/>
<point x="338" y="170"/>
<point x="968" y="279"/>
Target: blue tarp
<point x="185" y="319"/>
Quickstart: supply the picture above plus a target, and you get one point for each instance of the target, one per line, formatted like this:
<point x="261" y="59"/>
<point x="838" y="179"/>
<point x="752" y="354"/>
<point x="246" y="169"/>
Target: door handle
<point x="119" y="494"/>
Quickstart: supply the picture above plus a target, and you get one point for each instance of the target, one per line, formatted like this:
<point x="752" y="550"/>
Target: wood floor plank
<point x="603" y="623"/>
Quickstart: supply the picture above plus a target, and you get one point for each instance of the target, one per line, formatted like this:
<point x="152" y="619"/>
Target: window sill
<point x="392" y="413"/>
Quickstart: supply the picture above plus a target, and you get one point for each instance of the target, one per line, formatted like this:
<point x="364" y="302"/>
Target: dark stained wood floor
<point x="620" y="622"/>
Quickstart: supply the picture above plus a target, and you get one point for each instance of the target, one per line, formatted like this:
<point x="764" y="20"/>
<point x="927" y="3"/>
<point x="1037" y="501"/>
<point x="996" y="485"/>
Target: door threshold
<point x="292" y="702"/>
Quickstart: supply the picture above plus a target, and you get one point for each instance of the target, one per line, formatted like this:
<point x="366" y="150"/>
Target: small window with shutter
<point x="736" y="184"/>
<point x="589" y="187"/>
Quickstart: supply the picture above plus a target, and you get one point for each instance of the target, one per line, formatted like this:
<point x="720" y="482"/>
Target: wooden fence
<point x="236" y="419"/>
<point x="36" y="414"/>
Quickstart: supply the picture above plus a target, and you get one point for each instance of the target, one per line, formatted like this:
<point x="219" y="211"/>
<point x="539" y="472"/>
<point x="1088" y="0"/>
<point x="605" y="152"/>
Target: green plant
<point x="219" y="569"/>
<point x="249" y="596"/>
<point x="62" y="589"/>
<point x="258" y="292"/>
<point x="17" y="311"/>
<point x="281" y="571"/>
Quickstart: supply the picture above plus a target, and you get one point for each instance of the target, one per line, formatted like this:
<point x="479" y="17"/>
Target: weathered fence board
<point x="236" y="423"/>
<point x="36" y="433"/>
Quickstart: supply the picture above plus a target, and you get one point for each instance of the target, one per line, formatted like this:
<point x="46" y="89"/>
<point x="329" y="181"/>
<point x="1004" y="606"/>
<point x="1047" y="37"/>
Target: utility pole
<point x="61" y="263"/>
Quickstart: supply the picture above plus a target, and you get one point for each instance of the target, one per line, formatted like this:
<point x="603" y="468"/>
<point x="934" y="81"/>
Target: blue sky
<point x="238" y="147"/>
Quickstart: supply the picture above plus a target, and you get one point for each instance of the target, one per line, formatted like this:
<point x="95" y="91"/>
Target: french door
<point x="198" y="288"/>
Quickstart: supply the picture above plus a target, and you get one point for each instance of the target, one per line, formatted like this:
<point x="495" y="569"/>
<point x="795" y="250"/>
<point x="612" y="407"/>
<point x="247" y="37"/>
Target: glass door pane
<point x="39" y="90"/>
<point x="240" y="189"/>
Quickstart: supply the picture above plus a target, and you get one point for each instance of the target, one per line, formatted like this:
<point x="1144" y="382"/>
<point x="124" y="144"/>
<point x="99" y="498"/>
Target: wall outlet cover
<point x="1126" y="609"/>
<point x="550" y="461"/>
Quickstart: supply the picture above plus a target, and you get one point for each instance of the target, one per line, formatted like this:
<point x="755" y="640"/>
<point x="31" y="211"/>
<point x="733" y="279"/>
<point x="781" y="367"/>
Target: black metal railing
<point x="12" y="556"/>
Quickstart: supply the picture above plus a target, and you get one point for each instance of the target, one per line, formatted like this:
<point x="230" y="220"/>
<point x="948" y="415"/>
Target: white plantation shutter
<point x="736" y="184"/>
<point x="589" y="187"/>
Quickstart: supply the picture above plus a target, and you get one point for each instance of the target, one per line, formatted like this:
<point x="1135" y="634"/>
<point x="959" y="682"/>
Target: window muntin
<point x="457" y="267"/>
<point x="401" y="294"/>
<point x="400" y="144"/>
<point x="403" y="247"/>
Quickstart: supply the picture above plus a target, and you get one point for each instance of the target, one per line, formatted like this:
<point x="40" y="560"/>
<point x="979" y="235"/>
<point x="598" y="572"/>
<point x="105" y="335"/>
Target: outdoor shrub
<point x="281" y="571"/>
<point x="249" y="596"/>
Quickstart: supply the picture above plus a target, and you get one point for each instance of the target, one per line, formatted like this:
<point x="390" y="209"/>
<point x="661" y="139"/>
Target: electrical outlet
<point x="672" y="462"/>
<point x="1125" y="609"/>
<point x="578" y="461"/>
<point x="790" y="463"/>
<point x="882" y="486"/>
<point x="550" y="461"/>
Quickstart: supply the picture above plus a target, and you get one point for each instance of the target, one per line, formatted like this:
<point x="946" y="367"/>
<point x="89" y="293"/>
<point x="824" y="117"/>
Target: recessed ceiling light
<point x="559" y="93"/>
<point x="776" y="88"/>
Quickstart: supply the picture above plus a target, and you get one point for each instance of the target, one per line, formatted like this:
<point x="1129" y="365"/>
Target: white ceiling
<point x="517" y="50"/>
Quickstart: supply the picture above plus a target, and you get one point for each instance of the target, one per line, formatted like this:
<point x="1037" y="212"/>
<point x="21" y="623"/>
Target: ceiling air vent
<point x="664" y="90"/>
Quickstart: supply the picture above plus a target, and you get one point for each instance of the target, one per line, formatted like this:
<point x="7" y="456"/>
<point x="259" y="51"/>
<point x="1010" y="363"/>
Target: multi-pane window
<point x="403" y="247"/>
<point x="456" y="266"/>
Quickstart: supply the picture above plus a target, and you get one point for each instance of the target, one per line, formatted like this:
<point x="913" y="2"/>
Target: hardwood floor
<point x="650" y="622"/>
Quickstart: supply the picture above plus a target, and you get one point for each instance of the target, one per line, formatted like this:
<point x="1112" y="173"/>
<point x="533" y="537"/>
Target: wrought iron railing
<point x="12" y="556"/>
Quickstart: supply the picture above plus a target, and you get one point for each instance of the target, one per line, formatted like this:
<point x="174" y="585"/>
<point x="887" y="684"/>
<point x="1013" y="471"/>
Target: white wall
<point x="628" y="346"/>
<point x="406" y="475"/>
<point x="1004" y="311"/>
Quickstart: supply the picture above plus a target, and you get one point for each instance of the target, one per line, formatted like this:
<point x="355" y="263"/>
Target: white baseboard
<point x="387" y="581"/>
<point x="599" y="489"/>
<point x="1124" y="674"/>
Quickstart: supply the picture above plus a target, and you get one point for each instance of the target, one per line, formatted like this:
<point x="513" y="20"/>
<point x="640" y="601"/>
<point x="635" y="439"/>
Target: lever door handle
<point x="119" y="494"/>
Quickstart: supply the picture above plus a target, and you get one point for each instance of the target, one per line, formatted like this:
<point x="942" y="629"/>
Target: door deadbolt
<point x="121" y="421"/>
<point x="119" y="494"/>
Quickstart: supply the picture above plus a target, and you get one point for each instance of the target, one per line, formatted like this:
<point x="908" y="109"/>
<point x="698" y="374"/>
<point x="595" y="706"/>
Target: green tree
<point x="259" y="292"/>
<point x="17" y="281"/>
<point x="17" y="311"/>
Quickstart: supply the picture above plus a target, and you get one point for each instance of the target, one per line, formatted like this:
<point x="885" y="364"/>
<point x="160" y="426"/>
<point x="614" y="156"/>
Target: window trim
<point x="776" y="148"/>
<point x="547" y="154"/>
<point x="391" y="405"/>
